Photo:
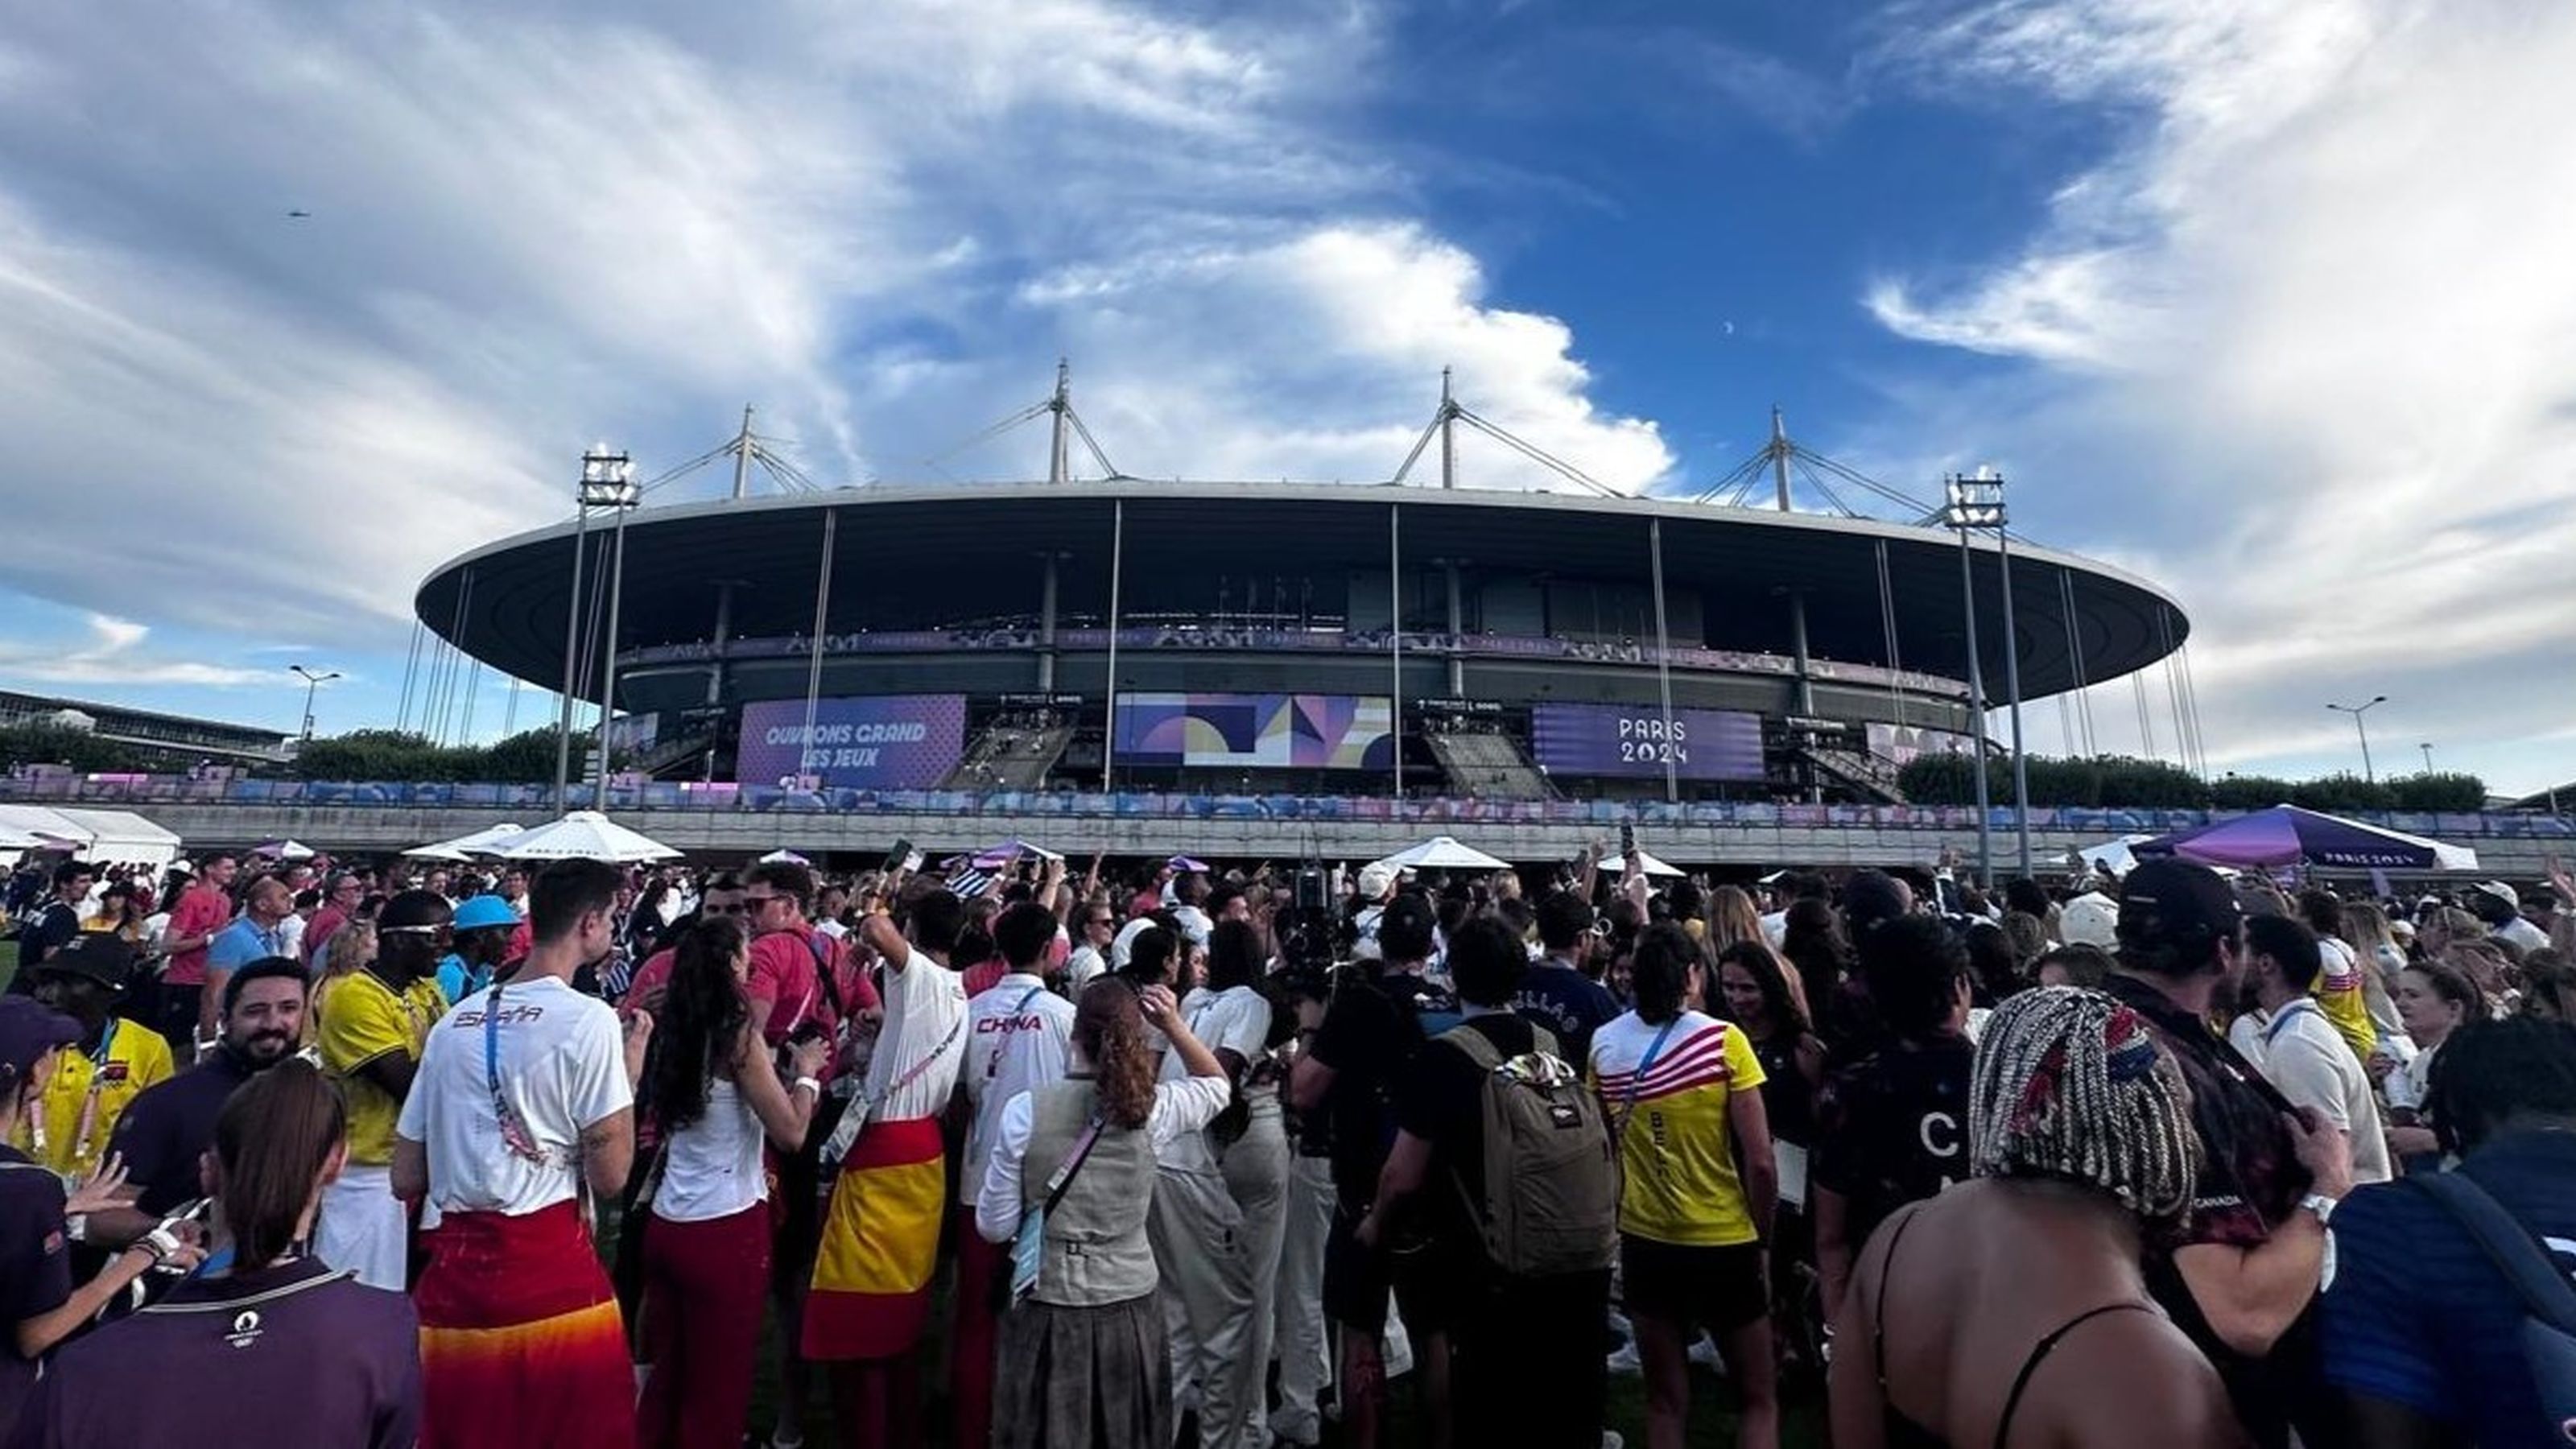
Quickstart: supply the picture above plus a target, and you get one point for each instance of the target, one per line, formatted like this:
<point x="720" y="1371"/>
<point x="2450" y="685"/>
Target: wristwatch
<point x="76" y="1227"/>
<point x="2320" y="1204"/>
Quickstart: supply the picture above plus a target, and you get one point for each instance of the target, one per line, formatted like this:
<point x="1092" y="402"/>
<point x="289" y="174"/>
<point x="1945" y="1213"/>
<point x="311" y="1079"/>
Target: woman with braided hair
<point x="2081" y="1142"/>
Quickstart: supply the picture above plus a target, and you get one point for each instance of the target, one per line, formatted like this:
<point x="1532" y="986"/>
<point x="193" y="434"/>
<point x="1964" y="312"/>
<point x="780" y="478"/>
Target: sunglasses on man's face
<point x="435" y="933"/>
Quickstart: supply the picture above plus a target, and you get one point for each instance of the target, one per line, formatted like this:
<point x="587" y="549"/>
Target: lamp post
<point x="608" y="481"/>
<point x="2427" y="748"/>
<point x="312" y="682"/>
<point x="605" y="482"/>
<point x="2363" y="730"/>
<point x="1976" y="504"/>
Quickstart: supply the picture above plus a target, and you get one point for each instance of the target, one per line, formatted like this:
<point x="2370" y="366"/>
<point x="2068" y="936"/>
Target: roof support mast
<point x="1059" y="459"/>
<point x="1780" y="451"/>
<point x="1448" y="434"/>
<point x="742" y="457"/>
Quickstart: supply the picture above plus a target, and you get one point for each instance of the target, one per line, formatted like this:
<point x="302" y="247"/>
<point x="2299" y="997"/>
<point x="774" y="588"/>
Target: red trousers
<point x="982" y="1270"/>
<point x="705" y="1287"/>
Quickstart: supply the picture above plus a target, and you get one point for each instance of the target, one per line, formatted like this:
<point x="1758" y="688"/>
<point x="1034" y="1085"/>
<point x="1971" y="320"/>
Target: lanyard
<point x="1637" y="1082"/>
<point x="993" y="1068"/>
<point x="514" y="1128"/>
<point x="86" y="1130"/>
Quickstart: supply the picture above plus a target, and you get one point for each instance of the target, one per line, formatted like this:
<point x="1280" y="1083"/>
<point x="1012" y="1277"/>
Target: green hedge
<point x="522" y="758"/>
<point x="2119" y="782"/>
<point x="78" y="749"/>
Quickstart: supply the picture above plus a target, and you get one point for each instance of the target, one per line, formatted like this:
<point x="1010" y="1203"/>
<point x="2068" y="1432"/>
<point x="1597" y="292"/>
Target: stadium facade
<point x="1291" y="638"/>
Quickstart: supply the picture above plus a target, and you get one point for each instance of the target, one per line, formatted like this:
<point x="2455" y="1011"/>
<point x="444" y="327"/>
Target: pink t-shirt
<point x="201" y="911"/>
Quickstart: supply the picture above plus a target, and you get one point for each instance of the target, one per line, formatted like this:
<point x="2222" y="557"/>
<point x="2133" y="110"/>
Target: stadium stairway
<point x="1487" y="766"/>
<point x="677" y="757"/>
<point x="1872" y="777"/>
<point x="1010" y="757"/>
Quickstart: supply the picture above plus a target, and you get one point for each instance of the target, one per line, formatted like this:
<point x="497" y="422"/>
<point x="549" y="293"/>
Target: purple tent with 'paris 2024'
<point x="2286" y="835"/>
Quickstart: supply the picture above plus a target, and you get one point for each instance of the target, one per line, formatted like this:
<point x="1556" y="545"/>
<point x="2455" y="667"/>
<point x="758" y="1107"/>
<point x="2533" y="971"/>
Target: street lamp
<point x="312" y="682"/>
<point x="2427" y="748"/>
<point x="1976" y="504"/>
<point x="2363" y="730"/>
<point x="607" y="481"/>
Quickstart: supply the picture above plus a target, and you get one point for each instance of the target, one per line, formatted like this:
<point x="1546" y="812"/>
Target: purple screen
<point x="862" y="742"/>
<point x="1255" y="731"/>
<point x="1609" y="739"/>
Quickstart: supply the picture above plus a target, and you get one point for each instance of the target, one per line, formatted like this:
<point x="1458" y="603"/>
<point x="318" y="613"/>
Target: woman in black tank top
<point x="2014" y="1304"/>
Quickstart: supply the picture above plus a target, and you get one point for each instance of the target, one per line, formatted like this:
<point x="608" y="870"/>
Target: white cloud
<point x="2306" y="335"/>
<point x="114" y="654"/>
<point x="530" y="228"/>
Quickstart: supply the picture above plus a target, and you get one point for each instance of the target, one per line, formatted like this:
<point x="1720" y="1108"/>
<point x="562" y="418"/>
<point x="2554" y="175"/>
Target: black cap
<point x="101" y="956"/>
<point x="2177" y="904"/>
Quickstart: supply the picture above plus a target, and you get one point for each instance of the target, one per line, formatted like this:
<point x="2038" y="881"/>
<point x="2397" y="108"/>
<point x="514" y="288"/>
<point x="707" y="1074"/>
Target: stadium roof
<point x="920" y="557"/>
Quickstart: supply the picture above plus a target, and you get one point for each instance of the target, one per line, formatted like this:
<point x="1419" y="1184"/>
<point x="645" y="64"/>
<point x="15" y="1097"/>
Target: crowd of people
<point x="383" y="1154"/>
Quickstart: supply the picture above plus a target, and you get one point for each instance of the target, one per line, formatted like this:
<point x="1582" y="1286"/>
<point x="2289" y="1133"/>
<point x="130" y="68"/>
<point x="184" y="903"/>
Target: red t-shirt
<point x="201" y="911"/>
<point x="984" y="976"/>
<point x="317" y="932"/>
<point x="782" y="969"/>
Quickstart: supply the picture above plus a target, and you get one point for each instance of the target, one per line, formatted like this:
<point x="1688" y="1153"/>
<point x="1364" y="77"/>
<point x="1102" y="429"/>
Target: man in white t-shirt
<point x="525" y="1094"/>
<point x="1097" y="926"/>
<point x="870" y="1298"/>
<point x="2299" y="1050"/>
<point x="1018" y="1035"/>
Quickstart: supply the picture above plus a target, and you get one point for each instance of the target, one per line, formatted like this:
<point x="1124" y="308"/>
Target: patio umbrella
<point x="1183" y="862"/>
<point x="784" y="857"/>
<point x="585" y="835"/>
<point x="1442" y="852"/>
<point x="1652" y="866"/>
<point x="486" y="841"/>
<point x="2113" y="857"/>
<point x="2286" y="835"/>
<point x="283" y="850"/>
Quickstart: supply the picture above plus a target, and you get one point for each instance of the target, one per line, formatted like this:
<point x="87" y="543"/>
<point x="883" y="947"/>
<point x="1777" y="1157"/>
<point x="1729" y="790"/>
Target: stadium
<point x="1287" y="638"/>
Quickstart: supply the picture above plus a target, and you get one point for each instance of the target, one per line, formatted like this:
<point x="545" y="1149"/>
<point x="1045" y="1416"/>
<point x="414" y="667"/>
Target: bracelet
<point x="808" y="1084"/>
<point x="160" y="1243"/>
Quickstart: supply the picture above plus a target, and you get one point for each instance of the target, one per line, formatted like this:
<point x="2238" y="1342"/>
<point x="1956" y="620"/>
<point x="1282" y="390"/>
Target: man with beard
<point x="161" y="1137"/>
<point x="372" y="1031"/>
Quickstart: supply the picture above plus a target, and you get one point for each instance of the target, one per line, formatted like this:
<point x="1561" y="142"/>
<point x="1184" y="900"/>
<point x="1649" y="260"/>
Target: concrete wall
<point x="726" y="835"/>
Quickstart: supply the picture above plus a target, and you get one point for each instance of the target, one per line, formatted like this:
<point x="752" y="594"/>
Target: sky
<point x="2267" y="300"/>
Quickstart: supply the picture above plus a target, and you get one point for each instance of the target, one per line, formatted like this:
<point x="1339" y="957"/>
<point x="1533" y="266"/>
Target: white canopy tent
<point x="1442" y="852"/>
<point x="486" y="841"/>
<point x="99" y="835"/>
<point x="585" y="835"/>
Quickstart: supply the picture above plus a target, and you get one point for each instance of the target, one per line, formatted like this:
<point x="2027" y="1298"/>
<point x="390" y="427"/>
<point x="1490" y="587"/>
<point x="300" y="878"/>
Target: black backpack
<point x="2548" y="1301"/>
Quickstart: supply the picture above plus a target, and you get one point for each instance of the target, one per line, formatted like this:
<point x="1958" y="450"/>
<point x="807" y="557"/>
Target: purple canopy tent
<point x="2286" y="835"/>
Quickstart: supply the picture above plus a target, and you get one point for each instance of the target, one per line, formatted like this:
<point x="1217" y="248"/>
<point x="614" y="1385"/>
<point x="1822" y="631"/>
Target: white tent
<point x="283" y="850"/>
<point x="101" y="835"/>
<point x="585" y="835"/>
<point x="486" y="841"/>
<point x="41" y="828"/>
<point x="1442" y="852"/>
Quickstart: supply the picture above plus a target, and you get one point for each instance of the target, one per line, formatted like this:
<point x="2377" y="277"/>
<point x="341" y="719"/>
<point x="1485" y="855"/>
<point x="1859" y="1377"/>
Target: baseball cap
<point x="482" y="912"/>
<point x="2091" y="919"/>
<point x="28" y="1030"/>
<point x="2500" y="891"/>
<point x="1376" y="879"/>
<point x="102" y="957"/>
<point x="2179" y="904"/>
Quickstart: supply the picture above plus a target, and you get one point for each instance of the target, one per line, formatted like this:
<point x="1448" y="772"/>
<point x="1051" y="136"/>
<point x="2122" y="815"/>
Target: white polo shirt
<point x="2313" y="1065"/>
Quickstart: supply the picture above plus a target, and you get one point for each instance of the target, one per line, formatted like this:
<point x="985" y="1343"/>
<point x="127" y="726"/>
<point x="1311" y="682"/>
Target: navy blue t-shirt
<point x="1569" y="1004"/>
<point x="35" y="1267"/>
<point x="2416" y="1314"/>
<point x="163" y="1132"/>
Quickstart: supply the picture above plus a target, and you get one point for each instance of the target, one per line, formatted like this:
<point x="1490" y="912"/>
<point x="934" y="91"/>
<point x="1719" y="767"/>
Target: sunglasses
<point x="436" y="932"/>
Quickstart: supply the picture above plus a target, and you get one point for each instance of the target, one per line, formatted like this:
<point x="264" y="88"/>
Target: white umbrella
<point x="284" y="850"/>
<point x="784" y="857"/>
<point x="1652" y="866"/>
<point x="2112" y="857"/>
<point x="585" y="835"/>
<point x="486" y="841"/>
<point x="1442" y="852"/>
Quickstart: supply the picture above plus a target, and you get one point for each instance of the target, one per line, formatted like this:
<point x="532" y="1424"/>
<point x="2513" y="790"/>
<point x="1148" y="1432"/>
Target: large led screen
<point x="1256" y="731"/>
<point x="860" y="742"/>
<point x="1609" y="739"/>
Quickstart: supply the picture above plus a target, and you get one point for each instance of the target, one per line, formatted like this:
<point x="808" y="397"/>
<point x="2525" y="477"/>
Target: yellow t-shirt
<point x="134" y="1057"/>
<point x="2338" y="992"/>
<point x="1676" y="1152"/>
<point x="364" y="1019"/>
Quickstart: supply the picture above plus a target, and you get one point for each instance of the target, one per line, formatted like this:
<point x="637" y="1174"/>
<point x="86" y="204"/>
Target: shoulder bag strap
<point x="2535" y="1276"/>
<point x="1637" y="1081"/>
<point x="824" y="971"/>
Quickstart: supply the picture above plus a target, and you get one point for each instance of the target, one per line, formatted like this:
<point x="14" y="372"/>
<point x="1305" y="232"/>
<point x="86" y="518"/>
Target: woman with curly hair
<point x="2080" y="1138"/>
<point x="1083" y="1356"/>
<point x="716" y="1093"/>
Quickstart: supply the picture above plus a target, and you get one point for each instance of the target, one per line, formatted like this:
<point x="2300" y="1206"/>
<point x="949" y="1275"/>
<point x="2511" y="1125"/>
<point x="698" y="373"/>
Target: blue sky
<point x="2265" y="298"/>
